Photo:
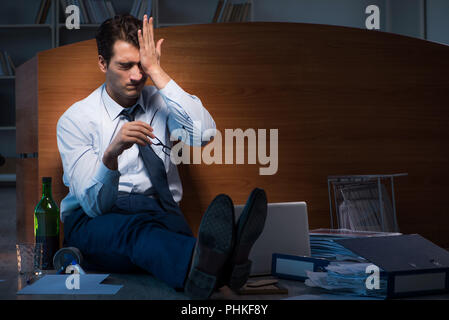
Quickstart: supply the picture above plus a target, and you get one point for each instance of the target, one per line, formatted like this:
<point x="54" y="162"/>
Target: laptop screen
<point x="286" y="231"/>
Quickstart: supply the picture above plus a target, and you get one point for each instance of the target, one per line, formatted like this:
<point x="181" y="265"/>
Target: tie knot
<point x="128" y="113"/>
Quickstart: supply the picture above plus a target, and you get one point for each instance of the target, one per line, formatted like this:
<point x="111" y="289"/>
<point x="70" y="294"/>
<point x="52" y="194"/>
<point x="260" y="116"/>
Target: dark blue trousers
<point x="136" y="234"/>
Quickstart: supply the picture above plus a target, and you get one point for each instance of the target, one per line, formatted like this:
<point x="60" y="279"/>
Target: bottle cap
<point x="46" y="179"/>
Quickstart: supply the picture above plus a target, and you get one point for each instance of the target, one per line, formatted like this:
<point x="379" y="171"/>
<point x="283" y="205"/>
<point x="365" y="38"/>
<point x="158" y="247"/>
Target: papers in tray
<point x="322" y="243"/>
<point x="346" y="278"/>
<point x="346" y="273"/>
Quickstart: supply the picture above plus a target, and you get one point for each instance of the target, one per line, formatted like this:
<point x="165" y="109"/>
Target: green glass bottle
<point x="46" y="224"/>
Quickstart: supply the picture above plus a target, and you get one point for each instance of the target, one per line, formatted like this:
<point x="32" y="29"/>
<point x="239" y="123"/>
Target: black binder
<point x="412" y="264"/>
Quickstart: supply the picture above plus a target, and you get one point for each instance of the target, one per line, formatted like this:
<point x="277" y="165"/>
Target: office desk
<point x="146" y="287"/>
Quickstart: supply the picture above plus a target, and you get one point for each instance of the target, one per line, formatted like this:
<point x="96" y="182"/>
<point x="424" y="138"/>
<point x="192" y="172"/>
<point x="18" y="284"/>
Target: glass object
<point x="46" y="224"/>
<point x="29" y="259"/>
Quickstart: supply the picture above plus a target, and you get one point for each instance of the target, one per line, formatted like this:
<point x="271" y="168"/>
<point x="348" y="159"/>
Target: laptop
<point x="286" y="231"/>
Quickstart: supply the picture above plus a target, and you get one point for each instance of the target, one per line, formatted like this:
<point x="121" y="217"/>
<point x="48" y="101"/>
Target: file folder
<point x="413" y="265"/>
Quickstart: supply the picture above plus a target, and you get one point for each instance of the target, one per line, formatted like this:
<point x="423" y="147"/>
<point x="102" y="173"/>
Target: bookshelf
<point x="166" y="13"/>
<point x="15" y="26"/>
<point x="6" y="128"/>
<point x="66" y="36"/>
<point x="21" y="38"/>
<point x="174" y="12"/>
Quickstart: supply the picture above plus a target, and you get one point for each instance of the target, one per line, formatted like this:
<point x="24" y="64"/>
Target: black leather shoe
<point x="248" y="229"/>
<point x="213" y="248"/>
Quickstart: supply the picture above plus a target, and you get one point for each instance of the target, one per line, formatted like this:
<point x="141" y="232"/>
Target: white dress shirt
<point x="87" y="128"/>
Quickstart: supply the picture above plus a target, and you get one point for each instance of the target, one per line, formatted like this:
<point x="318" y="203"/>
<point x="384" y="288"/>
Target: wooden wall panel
<point x="344" y="101"/>
<point x="61" y="85"/>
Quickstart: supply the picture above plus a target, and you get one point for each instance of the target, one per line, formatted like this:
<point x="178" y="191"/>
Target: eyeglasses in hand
<point x="165" y="149"/>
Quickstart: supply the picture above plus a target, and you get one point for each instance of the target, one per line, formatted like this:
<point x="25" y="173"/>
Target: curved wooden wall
<point x="344" y="101"/>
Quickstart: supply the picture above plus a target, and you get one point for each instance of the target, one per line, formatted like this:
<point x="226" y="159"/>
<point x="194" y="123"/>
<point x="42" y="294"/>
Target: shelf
<point x="20" y="26"/>
<point x="89" y="25"/>
<point x="5" y="177"/>
<point x="6" y="128"/>
<point x="7" y="77"/>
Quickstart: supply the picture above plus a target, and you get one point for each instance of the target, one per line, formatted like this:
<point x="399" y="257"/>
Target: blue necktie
<point x="156" y="170"/>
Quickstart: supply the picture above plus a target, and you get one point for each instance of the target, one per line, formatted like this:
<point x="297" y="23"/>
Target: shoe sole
<point x="214" y="246"/>
<point x="250" y="226"/>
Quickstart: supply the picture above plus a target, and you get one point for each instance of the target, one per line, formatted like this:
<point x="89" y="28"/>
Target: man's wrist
<point x="155" y="70"/>
<point x="158" y="76"/>
<point x="110" y="160"/>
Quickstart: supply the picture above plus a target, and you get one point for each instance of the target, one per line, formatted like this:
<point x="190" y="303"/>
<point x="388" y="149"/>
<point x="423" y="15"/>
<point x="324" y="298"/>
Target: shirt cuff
<point x="105" y="175"/>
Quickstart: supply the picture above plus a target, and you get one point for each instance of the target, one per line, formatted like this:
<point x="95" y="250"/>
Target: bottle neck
<point x="46" y="190"/>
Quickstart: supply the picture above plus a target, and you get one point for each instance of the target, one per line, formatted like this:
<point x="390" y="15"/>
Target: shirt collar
<point x="113" y="108"/>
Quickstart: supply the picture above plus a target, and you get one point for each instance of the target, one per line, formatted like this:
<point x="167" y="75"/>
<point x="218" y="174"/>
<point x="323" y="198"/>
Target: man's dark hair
<point x="121" y="27"/>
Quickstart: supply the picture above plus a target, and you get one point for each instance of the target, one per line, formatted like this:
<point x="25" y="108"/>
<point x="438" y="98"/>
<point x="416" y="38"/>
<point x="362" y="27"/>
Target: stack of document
<point x="347" y="271"/>
<point x="348" y="278"/>
<point x="322" y="244"/>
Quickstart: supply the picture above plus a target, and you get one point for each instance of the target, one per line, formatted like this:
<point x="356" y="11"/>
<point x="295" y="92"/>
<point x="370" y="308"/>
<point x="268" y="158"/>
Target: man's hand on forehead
<point x="150" y="54"/>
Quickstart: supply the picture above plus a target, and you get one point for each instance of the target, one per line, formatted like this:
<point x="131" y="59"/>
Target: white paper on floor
<point x="60" y="284"/>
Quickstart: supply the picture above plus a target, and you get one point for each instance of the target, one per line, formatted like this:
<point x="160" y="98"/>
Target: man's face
<point x="124" y="75"/>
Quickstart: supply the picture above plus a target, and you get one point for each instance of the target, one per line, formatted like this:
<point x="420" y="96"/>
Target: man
<point x="122" y="208"/>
